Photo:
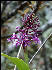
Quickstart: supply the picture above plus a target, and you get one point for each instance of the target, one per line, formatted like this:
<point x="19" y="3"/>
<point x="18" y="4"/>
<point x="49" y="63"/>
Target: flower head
<point x="29" y="32"/>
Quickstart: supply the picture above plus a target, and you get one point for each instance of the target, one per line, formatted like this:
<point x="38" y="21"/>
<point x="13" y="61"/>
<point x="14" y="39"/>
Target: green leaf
<point x="21" y="65"/>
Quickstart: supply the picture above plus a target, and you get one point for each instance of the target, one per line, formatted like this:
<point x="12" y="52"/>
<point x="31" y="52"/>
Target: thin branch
<point x="39" y="48"/>
<point x="18" y="55"/>
<point x="44" y="55"/>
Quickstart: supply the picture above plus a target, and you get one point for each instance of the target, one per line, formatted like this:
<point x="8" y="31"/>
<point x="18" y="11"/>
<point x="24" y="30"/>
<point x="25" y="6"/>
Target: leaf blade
<point x="18" y="62"/>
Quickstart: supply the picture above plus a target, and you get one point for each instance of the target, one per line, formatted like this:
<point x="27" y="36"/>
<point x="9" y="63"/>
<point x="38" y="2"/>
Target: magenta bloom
<point x="29" y="32"/>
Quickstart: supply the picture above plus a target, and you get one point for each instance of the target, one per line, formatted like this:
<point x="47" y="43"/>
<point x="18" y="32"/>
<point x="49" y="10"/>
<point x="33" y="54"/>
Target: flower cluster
<point x="29" y="32"/>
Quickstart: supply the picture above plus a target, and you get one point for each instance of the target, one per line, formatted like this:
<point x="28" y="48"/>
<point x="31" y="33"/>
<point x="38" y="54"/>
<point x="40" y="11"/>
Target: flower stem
<point x="26" y="56"/>
<point x="18" y="55"/>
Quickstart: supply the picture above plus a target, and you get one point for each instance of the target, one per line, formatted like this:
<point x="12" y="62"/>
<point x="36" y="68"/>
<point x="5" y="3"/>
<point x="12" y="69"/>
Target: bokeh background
<point x="11" y="14"/>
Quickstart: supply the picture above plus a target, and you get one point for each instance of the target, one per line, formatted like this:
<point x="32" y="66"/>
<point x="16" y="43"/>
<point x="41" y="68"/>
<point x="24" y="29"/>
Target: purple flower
<point x="29" y="32"/>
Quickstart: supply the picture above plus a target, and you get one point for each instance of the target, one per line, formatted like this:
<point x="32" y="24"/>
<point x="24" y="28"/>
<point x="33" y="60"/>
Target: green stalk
<point x="26" y="56"/>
